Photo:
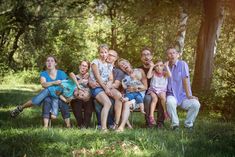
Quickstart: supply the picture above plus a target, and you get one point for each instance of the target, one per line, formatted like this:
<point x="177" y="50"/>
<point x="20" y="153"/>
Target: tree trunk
<point x="206" y="44"/>
<point x="14" y="48"/>
<point x="112" y="15"/>
<point x="181" y="30"/>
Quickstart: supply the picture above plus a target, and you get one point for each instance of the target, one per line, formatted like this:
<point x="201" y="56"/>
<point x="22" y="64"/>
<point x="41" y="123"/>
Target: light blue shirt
<point x="175" y="87"/>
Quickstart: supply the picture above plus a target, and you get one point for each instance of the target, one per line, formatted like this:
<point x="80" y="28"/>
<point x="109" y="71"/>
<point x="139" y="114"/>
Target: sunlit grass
<point x="24" y="135"/>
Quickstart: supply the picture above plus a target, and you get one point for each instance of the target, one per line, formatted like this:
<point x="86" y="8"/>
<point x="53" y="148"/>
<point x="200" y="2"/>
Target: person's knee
<point x="139" y="99"/>
<point x="107" y="104"/>
<point x="147" y="100"/>
<point x="117" y="95"/>
<point x="171" y="101"/>
<point x="155" y="99"/>
<point x="196" y="105"/>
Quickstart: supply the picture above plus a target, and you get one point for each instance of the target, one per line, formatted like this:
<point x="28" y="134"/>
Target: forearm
<point x="73" y="77"/>
<point x="150" y="73"/>
<point x="48" y="84"/>
<point x="186" y="87"/>
<point x="63" y="98"/>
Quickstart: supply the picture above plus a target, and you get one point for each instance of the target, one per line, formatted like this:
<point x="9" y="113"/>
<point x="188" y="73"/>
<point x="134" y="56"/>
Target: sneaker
<point x="152" y="120"/>
<point x="16" y="111"/>
<point x="175" y="128"/>
<point x="190" y="129"/>
<point x="99" y="127"/>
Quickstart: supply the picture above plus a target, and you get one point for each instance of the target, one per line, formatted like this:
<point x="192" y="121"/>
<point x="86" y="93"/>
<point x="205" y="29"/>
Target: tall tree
<point x="206" y="45"/>
<point x="181" y="29"/>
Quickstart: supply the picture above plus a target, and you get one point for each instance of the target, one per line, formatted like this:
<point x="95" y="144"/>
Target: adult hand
<point x="58" y="82"/>
<point x="192" y="97"/>
<point x="108" y="92"/>
<point x="151" y="63"/>
<point x="93" y="84"/>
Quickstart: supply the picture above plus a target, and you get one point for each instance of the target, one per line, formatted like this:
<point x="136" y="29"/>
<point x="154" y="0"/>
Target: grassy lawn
<point x="24" y="136"/>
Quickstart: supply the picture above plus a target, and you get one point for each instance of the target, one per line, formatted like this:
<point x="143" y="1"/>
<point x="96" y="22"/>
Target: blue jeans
<point x="135" y="95"/>
<point x="38" y="99"/>
<point x="98" y="109"/>
<point x="48" y="103"/>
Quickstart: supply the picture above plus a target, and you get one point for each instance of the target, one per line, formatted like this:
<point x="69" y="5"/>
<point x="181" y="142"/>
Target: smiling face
<point x="51" y="63"/>
<point x="146" y="57"/>
<point x="83" y="67"/>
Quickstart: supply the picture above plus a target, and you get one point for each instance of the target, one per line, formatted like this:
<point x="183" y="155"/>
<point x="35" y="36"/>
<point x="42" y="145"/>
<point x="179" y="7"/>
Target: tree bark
<point x="181" y="30"/>
<point x="14" y="47"/>
<point x="112" y="15"/>
<point x="206" y="44"/>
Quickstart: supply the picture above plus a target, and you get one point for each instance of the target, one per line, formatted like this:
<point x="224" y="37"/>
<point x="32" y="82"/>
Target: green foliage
<point x="20" y="78"/>
<point x="72" y="31"/>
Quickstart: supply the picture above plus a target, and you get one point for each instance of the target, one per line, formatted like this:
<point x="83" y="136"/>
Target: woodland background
<point x="202" y="30"/>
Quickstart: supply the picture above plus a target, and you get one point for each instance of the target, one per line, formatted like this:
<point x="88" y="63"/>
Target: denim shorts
<point x="135" y="95"/>
<point x="96" y="91"/>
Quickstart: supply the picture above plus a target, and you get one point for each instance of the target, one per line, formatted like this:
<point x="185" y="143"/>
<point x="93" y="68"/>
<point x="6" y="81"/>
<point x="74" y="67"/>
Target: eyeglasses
<point x="112" y="55"/>
<point x="147" y="54"/>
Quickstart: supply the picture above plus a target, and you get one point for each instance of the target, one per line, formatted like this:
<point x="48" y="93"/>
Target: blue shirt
<point x="175" y="87"/>
<point x="61" y="75"/>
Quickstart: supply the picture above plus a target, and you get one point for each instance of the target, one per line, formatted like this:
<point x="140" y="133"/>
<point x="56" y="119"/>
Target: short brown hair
<point x="145" y="48"/>
<point x="171" y="47"/>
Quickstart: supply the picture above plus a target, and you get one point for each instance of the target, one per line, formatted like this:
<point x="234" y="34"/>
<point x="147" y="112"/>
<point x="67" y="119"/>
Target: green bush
<point x="219" y="104"/>
<point x="23" y="77"/>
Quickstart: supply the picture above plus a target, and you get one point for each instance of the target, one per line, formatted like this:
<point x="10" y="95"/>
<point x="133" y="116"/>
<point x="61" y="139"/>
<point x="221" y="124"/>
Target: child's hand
<point x="123" y="99"/>
<point x="68" y="100"/>
<point x="166" y="63"/>
<point x="151" y="64"/>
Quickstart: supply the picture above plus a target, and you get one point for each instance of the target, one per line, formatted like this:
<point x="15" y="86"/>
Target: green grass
<point x="24" y="136"/>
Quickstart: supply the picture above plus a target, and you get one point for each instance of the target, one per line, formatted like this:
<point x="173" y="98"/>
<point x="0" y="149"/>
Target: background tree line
<point x="203" y="30"/>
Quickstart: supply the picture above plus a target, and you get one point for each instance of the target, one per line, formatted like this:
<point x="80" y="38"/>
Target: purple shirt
<point x="175" y="87"/>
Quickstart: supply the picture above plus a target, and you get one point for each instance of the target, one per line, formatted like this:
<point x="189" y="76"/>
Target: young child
<point x="136" y="98"/>
<point x="66" y="91"/>
<point x="135" y="85"/>
<point x="158" y="86"/>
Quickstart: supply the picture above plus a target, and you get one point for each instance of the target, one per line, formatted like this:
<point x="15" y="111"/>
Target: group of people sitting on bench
<point x="112" y="87"/>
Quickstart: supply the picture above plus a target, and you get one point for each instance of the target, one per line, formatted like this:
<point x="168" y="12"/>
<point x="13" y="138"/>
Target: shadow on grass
<point x="211" y="138"/>
<point x="9" y="97"/>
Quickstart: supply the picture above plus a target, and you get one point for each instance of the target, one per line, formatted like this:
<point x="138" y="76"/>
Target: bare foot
<point x="142" y="111"/>
<point x="120" y="130"/>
